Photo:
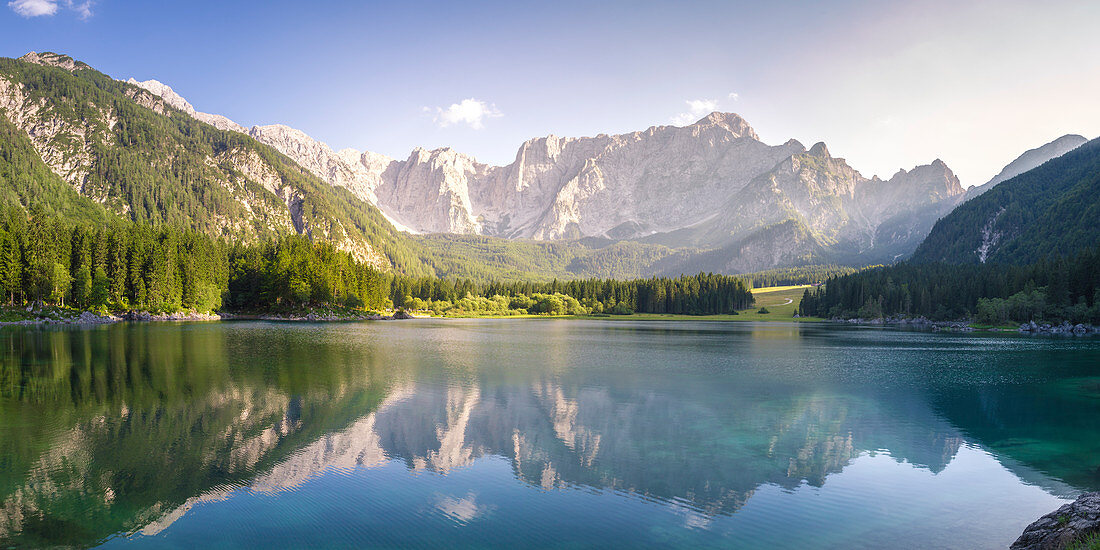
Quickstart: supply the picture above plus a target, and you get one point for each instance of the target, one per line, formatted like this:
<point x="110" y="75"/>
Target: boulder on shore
<point x="1063" y="526"/>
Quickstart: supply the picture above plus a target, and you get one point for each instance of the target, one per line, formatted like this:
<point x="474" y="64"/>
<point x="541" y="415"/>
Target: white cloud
<point x="83" y="9"/>
<point x="471" y="112"/>
<point x="734" y="96"/>
<point x="33" y="8"/>
<point x="697" y="109"/>
<point x="38" y="8"/>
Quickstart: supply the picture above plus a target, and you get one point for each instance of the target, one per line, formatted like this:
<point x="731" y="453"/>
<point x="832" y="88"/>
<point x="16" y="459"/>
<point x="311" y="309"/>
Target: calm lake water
<point x="538" y="433"/>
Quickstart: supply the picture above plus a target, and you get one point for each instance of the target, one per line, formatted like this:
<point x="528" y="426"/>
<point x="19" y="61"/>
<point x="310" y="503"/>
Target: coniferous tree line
<point x="130" y="266"/>
<point x="293" y="272"/>
<point x="801" y="275"/>
<point x="1053" y="290"/>
<point x="125" y="266"/>
<point x="701" y="294"/>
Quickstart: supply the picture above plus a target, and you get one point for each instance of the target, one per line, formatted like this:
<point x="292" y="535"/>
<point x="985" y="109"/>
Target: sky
<point x="887" y="85"/>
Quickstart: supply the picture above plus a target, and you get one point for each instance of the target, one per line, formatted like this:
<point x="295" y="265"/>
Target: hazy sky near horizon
<point x="886" y="85"/>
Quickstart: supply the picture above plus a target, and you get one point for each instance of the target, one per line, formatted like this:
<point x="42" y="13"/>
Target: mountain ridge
<point x="1048" y="211"/>
<point x="652" y="185"/>
<point x="1032" y="158"/>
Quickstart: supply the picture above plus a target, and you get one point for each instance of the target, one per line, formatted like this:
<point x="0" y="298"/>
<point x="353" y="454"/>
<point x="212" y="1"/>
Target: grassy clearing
<point x="780" y="301"/>
<point x="774" y="289"/>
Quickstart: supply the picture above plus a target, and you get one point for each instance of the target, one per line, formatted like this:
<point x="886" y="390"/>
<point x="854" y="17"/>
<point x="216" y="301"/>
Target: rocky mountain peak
<point x="52" y="59"/>
<point x="935" y="176"/>
<point x="794" y="144"/>
<point x="729" y="121"/>
<point x="284" y="132"/>
<point x="170" y="97"/>
<point x="1070" y="140"/>
<point x="166" y="93"/>
<point x="819" y="150"/>
<point x="1031" y="158"/>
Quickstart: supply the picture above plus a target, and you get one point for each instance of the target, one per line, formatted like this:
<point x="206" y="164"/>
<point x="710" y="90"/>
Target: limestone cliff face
<point x="318" y="158"/>
<point x="65" y="145"/>
<point x="430" y="191"/>
<point x="622" y="186"/>
<point x="812" y="206"/>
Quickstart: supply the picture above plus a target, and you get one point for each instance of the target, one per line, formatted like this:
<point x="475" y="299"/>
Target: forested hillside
<point x="1051" y="210"/>
<point x="25" y="180"/>
<point x="1056" y="289"/>
<point x="118" y="146"/>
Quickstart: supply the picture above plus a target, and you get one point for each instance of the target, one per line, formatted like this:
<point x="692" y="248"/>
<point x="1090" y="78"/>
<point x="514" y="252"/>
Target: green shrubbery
<point x="537" y="304"/>
<point x="1027" y="306"/>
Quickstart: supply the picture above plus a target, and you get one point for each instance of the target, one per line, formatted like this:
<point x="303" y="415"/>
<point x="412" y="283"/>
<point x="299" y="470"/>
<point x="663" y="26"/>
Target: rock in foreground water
<point x="1063" y="526"/>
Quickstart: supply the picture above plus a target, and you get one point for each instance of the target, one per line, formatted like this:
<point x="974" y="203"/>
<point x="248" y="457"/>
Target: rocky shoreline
<point x="1064" y="328"/>
<point x="1065" y="526"/>
<point x="965" y="326"/>
<point x="87" y="318"/>
<point x="320" y="317"/>
<point x="911" y="322"/>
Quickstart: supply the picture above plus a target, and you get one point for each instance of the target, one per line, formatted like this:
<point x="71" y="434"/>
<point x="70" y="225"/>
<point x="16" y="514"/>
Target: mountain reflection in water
<point x="124" y="429"/>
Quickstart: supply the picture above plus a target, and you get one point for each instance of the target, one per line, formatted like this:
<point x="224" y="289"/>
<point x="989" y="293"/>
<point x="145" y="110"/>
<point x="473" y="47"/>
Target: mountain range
<point x="709" y="196"/>
<point x="711" y="184"/>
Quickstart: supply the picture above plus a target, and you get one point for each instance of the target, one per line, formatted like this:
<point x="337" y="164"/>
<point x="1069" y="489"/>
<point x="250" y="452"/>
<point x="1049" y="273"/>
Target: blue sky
<point x="886" y="85"/>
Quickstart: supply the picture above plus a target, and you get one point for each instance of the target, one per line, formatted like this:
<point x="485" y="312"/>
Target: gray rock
<point x="1062" y="526"/>
<point x="89" y="318"/>
<point x="402" y="314"/>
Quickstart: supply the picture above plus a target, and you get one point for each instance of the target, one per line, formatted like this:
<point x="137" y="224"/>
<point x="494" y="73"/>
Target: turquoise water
<point x="538" y="433"/>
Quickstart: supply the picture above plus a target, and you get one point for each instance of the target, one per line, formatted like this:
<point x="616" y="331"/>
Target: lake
<point x="539" y="433"/>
